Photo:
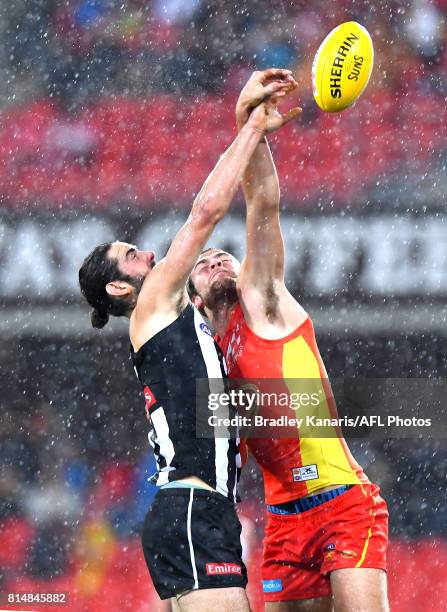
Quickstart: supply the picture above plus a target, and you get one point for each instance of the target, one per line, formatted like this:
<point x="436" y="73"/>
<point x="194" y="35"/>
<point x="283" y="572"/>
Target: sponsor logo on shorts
<point x="272" y="586"/>
<point x="306" y="472"/>
<point x="214" y="569"/>
<point x="204" y="327"/>
<point x="330" y="552"/>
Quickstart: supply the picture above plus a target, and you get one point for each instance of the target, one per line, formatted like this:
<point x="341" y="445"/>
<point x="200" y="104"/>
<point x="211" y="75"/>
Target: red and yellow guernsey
<point x="292" y="467"/>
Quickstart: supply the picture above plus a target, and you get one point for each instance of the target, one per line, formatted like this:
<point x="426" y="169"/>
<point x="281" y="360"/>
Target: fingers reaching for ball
<point x="271" y="85"/>
<point x="267" y="118"/>
<point x="275" y="119"/>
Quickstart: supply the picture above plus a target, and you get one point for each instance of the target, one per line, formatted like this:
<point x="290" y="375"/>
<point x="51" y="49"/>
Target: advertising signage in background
<point x="328" y="257"/>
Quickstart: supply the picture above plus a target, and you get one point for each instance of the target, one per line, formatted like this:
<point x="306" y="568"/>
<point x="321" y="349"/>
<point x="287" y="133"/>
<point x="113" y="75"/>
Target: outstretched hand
<point x="265" y="89"/>
<point x="266" y="118"/>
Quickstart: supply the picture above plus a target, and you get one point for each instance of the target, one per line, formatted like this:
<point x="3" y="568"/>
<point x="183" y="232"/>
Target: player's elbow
<point x="209" y="213"/>
<point x="264" y="203"/>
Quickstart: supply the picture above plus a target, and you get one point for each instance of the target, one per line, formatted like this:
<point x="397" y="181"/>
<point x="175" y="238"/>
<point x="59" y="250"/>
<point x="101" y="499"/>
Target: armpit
<point x="271" y="303"/>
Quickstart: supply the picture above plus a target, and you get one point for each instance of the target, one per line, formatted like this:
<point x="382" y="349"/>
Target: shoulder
<point x="145" y="327"/>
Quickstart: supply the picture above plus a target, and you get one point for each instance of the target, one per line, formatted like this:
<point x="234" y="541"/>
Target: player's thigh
<point x="361" y="589"/>
<point x="230" y="599"/>
<point x="174" y="606"/>
<point x="316" y="604"/>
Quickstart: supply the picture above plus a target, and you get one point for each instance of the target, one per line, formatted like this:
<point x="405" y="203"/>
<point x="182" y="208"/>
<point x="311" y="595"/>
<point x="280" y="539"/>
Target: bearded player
<point x="326" y="533"/>
<point x="191" y="533"/>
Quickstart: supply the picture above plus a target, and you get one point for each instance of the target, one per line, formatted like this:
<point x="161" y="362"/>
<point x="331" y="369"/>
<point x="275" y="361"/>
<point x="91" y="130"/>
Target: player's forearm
<point x="260" y="181"/>
<point x="221" y="185"/>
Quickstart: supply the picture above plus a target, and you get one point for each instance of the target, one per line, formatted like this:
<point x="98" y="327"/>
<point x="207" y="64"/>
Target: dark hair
<point x="190" y="287"/>
<point x="97" y="270"/>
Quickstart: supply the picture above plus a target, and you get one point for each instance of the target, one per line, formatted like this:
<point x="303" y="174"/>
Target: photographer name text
<point x="314" y="421"/>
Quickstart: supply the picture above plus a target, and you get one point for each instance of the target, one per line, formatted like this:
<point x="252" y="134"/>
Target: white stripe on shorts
<point x="191" y="548"/>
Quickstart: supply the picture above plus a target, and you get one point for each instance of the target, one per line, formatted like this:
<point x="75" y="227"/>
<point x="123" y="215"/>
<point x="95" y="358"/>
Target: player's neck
<point x="220" y="317"/>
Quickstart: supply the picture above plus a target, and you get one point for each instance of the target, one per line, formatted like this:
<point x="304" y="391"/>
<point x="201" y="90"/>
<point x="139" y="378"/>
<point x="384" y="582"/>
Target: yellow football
<point x="342" y="67"/>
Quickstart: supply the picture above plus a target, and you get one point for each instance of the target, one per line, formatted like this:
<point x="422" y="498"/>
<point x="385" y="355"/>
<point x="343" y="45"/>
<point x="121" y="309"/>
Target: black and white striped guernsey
<point x="168" y="365"/>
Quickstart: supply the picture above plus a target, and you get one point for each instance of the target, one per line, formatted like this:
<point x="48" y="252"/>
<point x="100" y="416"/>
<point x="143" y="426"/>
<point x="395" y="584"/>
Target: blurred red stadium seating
<point x="162" y="149"/>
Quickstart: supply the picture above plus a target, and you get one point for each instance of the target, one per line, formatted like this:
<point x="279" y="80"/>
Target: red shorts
<point x="300" y="550"/>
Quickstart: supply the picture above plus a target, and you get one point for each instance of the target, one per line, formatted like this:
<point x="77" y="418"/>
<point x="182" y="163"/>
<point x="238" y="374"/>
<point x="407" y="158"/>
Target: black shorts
<point x="191" y="540"/>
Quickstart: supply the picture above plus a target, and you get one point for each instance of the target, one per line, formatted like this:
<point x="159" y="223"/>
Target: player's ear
<point x="198" y="302"/>
<point x="118" y="288"/>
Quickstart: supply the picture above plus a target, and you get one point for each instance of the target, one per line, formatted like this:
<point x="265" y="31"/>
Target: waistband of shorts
<point x="179" y="484"/>
<point x="203" y="493"/>
<point x="303" y="504"/>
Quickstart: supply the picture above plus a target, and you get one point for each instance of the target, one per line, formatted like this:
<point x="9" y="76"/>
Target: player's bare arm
<point x="163" y="293"/>
<point x="268" y="307"/>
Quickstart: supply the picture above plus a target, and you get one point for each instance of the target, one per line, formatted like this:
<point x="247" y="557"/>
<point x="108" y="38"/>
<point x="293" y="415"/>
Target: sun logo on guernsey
<point x="204" y="327"/>
<point x="213" y="569"/>
<point x="234" y="348"/>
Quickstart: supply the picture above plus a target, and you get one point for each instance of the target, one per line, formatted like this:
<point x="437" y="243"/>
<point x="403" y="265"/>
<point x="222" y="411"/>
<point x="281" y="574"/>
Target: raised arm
<point x="164" y="288"/>
<point x="264" y="261"/>
<point x="209" y="207"/>
<point x="263" y="295"/>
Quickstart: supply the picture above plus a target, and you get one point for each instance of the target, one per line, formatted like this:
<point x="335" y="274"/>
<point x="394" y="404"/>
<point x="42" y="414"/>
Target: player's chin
<point x="222" y="281"/>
